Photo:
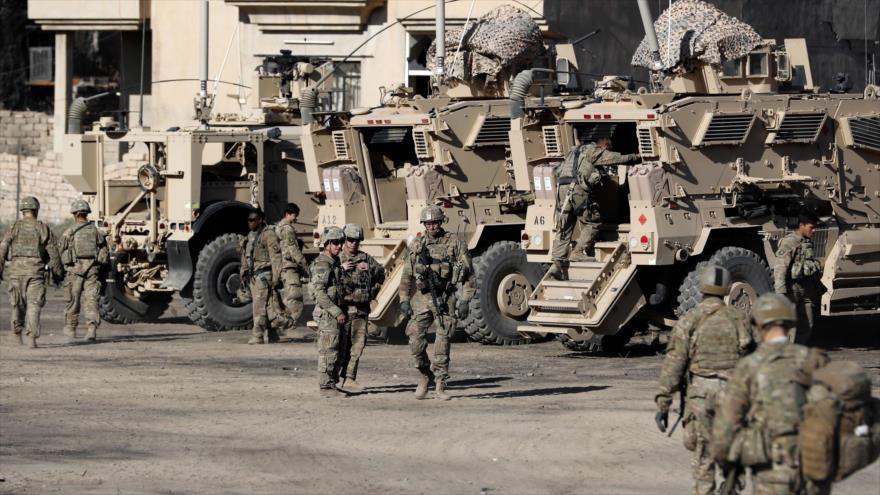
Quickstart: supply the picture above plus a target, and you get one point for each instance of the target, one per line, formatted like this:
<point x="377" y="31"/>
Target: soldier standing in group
<point x="575" y="180"/>
<point x="83" y="253"/>
<point x="756" y="422"/>
<point x="797" y="274"/>
<point x="704" y="347"/>
<point x="261" y="271"/>
<point x="437" y="263"/>
<point x="29" y="246"/>
<point x="362" y="277"/>
<point x="293" y="268"/>
<point x="325" y="289"/>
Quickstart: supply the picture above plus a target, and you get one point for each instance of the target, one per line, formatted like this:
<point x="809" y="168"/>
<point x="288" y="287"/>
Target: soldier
<point x="261" y="271"/>
<point x="83" y="253"/>
<point x="703" y="349"/>
<point x="576" y="178"/>
<point x="293" y="268"/>
<point x="362" y="277"/>
<point x="756" y="423"/>
<point x="797" y="274"/>
<point x="325" y="289"/>
<point x="29" y="246"/>
<point x="437" y="263"/>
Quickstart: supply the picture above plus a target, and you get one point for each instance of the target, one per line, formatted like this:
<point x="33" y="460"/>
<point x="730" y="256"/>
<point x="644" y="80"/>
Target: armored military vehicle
<point x="176" y="204"/>
<point x="380" y="166"/>
<point x="735" y="140"/>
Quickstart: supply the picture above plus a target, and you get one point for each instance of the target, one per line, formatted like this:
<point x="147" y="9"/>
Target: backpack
<point x="840" y="430"/>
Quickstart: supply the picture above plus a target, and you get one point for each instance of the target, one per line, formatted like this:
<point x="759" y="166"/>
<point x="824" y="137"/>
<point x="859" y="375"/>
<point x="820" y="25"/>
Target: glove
<point x="462" y="308"/>
<point x="406" y="308"/>
<point x="341" y="319"/>
<point x="662" y="420"/>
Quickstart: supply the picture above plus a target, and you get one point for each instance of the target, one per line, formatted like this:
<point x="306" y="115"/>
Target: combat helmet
<point x="774" y="308"/>
<point x="80" y="206"/>
<point x="715" y="280"/>
<point x="353" y="231"/>
<point x="28" y="203"/>
<point x="432" y="213"/>
<point x="332" y="233"/>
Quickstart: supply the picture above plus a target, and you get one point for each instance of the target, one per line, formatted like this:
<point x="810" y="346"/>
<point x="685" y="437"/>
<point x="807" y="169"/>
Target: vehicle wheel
<point x="122" y="307"/>
<point x="749" y="275"/>
<point x="504" y="280"/>
<point x="210" y="303"/>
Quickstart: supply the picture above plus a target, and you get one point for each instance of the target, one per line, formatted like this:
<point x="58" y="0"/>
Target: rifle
<point x="433" y="281"/>
<point x="681" y="400"/>
<point x="730" y="485"/>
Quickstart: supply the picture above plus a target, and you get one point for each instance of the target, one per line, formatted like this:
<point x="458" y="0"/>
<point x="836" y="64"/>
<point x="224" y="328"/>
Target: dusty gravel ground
<point x="168" y="408"/>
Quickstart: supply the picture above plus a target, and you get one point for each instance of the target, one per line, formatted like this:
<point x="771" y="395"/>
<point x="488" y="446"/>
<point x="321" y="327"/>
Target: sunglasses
<point x="432" y="222"/>
<point x="251" y="220"/>
<point x="335" y="242"/>
<point x="353" y="241"/>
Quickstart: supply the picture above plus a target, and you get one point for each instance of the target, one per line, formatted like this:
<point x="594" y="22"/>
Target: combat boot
<point x="255" y="340"/>
<point x="558" y="270"/>
<point x="351" y="385"/>
<point x="440" y="390"/>
<point x="70" y="333"/>
<point x="91" y="335"/>
<point x="20" y="338"/>
<point x="32" y="342"/>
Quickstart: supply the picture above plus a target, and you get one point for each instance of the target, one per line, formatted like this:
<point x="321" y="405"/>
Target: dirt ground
<point x="168" y="408"/>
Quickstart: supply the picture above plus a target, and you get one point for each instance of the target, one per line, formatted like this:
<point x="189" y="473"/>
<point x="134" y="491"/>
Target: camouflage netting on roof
<point x="500" y="39"/>
<point x="698" y="31"/>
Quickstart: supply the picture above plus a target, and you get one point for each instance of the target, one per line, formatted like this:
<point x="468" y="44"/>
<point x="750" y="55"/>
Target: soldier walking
<point x="756" y="423"/>
<point x="293" y="269"/>
<point x="797" y="274"/>
<point x="437" y="264"/>
<point x="704" y="347"/>
<point x="576" y="178"/>
<point x="261" y="271"/>
<point x="362" y="277"/>
<point x="83" y="253"/>
<point x="325" y="289"/>
<point x="31" y="250"/>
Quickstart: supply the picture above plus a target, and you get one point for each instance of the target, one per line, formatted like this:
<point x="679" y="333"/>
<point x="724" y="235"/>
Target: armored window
<point x="759" y="65"/>
<point x="862" y="132"/>
<point x="798" y="128"/>
<point x="389" y="135"/>
<point x="732" y="68"/>
<point x="551" y="140"/>
<point x="724" y="128"/>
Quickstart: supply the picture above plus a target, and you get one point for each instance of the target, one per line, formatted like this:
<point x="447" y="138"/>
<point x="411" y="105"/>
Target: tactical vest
<point x="333" y="278"/>
<point x="439" y="258"/>
<point x="779" y="395"/>
<point x="715" y="341"/>
<point x="29" y="238"/>
<point x="256" y="251"/>
<point x="358" y="284"/>
<point x="84" y="242"/>
<point x="804" y="264"/>
<point x="579" y="166"/>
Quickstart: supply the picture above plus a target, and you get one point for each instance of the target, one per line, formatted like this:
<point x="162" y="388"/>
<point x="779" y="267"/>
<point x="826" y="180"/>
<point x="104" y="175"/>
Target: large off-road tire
<point x="121" y="307"/>
<point x="504" y="280"/>
<point x="749" y="275"/>
<point x="209" y="303"/>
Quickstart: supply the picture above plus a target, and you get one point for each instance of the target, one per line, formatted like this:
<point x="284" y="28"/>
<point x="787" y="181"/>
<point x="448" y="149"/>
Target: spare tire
<point x="749" y="276"/>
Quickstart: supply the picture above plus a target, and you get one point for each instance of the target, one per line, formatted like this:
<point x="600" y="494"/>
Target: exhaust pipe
<point x="307" y="101"/>
<point x="519" y="88"/>
<point x="650" y="33"/>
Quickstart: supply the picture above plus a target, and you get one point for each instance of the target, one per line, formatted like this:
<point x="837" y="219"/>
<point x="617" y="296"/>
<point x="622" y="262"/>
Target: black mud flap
<point x="180" y="266"/>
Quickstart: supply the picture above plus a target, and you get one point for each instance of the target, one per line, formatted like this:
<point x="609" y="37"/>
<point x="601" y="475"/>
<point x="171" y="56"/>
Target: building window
<point x="41" y="64"/>
<point x="346" y="91"/>
<point x="418" y="76"/>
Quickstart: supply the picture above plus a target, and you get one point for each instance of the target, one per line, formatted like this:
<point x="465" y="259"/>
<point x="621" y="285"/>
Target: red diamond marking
<point x="643" y="219"/>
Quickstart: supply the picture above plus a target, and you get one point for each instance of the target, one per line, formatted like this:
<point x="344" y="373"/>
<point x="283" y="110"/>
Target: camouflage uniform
<point x="703" y="349"/>
<point x="83" y="251"/>
<point x="796" y="275"/>
<point x="293" y="269"/>
<point x="757" y="420"/>
<point x="261" y="263"/>
<point x="28" y="246"/>
<point x="324" y="286"/>
<point x="450" y="260"/>
<point x="577" y="175"/>
<point x="359" y="287"/>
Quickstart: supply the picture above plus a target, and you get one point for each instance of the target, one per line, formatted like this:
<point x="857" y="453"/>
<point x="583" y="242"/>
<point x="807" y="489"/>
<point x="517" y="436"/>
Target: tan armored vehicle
<point x="732" y="148"/>
<point x="175" y="205"/>
<point x="380" y="166"/>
